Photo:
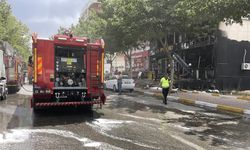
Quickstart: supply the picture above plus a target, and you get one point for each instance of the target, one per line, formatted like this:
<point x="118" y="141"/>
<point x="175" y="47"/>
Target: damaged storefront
<point x="194" y="64"/>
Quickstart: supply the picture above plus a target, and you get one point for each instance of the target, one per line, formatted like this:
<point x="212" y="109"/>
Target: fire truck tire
<point x="114" y="88"/>
<point x="4" y="97"/>
<point x="36" y="110"/>
<point x="89" y="107"/>
<point x="12" y="90"/>
<point x="84" y="108"/>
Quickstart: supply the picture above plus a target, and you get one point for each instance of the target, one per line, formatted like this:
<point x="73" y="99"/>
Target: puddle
<point x="105" y="126"/>
<point x="25" y="135"/>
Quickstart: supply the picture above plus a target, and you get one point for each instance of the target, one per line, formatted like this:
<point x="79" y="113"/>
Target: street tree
<point x="160" y="22"/>
<point x="14" y="31"/>
<point x="122" y="28"/>
<point x="215" y="10"/>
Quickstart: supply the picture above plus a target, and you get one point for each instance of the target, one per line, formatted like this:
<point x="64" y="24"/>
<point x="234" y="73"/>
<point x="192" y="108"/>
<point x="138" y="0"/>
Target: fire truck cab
<point x="68" y="71"/>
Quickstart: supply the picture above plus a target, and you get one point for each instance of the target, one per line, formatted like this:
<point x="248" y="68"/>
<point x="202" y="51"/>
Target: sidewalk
<point x="235" y="104"/>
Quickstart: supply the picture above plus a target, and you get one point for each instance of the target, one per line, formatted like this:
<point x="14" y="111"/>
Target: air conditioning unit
<point x="245" y="66"/>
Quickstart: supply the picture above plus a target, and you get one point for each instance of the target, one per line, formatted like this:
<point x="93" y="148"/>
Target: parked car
<point x="3" y="88"/>
<point x="127" y="83"/>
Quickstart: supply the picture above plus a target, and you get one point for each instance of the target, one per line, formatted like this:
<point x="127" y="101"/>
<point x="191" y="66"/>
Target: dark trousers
<point x="120" y="87"/>
<point x="165" y="94"/>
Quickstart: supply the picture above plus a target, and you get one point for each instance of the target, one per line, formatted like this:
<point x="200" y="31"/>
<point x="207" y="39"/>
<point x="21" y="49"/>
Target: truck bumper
<point x="66" y="103"/>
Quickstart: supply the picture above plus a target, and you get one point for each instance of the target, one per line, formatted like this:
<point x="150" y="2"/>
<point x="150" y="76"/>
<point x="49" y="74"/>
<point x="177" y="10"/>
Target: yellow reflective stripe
<point x="40" y="65"/>
<point x="35" y="65"/>
<point x="102" y="67"/>
<point x="97" y="67"/>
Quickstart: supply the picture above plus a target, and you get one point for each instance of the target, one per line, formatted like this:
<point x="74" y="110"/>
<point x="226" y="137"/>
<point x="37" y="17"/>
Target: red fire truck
<point x="68" y="71"/>
<point x="13" y="68"/>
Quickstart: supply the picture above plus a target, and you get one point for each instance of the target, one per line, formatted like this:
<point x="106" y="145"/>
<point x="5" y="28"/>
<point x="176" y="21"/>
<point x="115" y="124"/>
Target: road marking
<point x="228" y="123"/>
<point x="173" y="98"/>
<point x="187" y="101"/>
<point x="206" y="104"/>
<point x="149" y="93"/>
<point x="197" y="147"/>
<point x="230" y="108"/>
<point x="143" y="118"/>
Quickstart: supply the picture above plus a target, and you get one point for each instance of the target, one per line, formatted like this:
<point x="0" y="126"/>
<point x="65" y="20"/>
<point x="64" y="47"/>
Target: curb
<point x="201" y="104"/>
<point x="247" y="98"/>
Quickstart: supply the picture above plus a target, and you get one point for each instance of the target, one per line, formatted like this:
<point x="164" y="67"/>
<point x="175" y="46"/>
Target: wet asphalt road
<point x="130" y="121"/>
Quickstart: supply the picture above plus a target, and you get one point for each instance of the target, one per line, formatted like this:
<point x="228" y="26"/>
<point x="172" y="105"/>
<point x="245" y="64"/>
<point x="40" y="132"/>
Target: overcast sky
<point x="46" y="16"/>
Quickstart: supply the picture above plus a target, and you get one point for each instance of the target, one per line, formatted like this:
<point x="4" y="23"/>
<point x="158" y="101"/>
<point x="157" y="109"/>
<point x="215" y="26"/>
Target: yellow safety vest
<point x="164" y="83"/>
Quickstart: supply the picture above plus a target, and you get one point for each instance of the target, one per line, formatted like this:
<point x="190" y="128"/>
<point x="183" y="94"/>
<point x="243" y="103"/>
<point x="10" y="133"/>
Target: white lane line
<point x="197" y="147"/>
<point x="173" y="98"/>
<point x="206" y="104"/>
<point x="143" y="118"/>
<point x="228" y="123"/>
<point x="149" y="93"/>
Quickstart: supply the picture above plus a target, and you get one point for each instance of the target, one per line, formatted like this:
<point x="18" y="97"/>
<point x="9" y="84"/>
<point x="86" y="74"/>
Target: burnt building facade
<point x="232" y="53"/>
<point x="220" y="61"/>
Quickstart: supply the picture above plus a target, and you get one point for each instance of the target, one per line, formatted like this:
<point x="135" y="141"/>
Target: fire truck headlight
<point x="42" y="91"/>
<point x="36" y="91"/>
<point x="47" y="91"/>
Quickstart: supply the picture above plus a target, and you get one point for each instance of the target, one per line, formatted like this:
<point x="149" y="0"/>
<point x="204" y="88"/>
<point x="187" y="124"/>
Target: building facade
<point x="232" y="52"/>
<point x="221" y="60"/>
<point x="140" y="61"/>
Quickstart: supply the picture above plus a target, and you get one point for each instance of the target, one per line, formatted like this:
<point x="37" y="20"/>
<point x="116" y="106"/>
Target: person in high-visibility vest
<point x="164" y="84"/>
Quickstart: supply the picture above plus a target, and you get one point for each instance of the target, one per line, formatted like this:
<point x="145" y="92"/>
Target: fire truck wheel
<point x="114" y="88"/>
<point x="84" y="108"/>
<point x="3" y="97"/>
<point x="36" y="110"/>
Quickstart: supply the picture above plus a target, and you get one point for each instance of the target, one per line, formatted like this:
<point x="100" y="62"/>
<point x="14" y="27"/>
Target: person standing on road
<point x="119" y="82"/>
<point x="164" y="84"/>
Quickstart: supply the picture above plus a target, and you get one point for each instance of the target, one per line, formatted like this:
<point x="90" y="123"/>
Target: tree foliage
<point x="14" y="31"/>
<point x="216" y="10"/>
<point x="125" y="24"/>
